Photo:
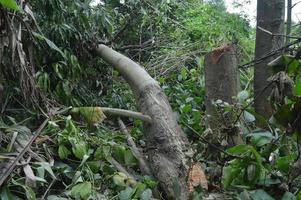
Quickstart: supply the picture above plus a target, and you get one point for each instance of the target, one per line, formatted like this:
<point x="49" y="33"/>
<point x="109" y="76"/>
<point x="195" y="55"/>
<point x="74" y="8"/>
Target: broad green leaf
<point x="82" y="190"/>
<point x="146" y="195"/>
<point x="94" y="166"/>
<point x="12" y="4"/>
<point x="6" y="194"/>
<point x="230" y="173"/>
<point x="119" y="153"/>
<point x="46" y="166"/>
<point x="120" y="179"/>
<point x="49" y="43"/>
<point x="63" y="152"/>
<point x="260" y="195"/>
<point x="29" y="193"/>
<point x="249" y="117"/>
<point x="129" y="158"/>
<point x="285" y="163"/>
<point x="243" y="96"/>
<point x="126" y="194"/>
<point x="79" y="149"/>
<point x="138" y="190"/>
<point x="288" y="196"/>
<point x="239" y="149"/>
<point x="187" y="108"/>
<point x="297" y="89"/>
<point x="259" y="139"/>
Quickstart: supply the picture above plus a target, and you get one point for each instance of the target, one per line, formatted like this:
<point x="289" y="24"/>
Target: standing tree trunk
<point x="288" y="20"/>
<point x="270" y="17"/>
<point x="168" y="149"/>
<point x="222" y="83"/>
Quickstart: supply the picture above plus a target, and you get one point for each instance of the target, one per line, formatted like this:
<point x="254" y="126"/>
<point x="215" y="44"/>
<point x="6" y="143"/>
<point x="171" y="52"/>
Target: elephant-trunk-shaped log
<point x="168" y="150"/>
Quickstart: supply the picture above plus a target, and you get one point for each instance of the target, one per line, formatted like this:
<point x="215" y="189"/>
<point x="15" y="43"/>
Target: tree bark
<point x="288" y="20"/>
<point x="168" y="149"/>
<point x="222" y="83"/>
<point x="270" y="16"/>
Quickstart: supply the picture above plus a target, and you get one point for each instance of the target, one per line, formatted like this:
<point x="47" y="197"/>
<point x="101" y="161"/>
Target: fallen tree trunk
<point x="168" y="149"/>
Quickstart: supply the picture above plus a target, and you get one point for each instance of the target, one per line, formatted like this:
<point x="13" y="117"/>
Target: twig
<point x="213" y="145"/>
<point x="25" y="149"/>
<point x="142" y="164"/>
<point x="48" y="188"/>
<point x="251" y="102"/>
<point x="276" y="34"/>
<point x="270" y="54"/>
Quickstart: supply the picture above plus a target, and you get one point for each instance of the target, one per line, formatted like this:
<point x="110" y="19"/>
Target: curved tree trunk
<point x="167" y="146"/>
<point x="270" y="17"/>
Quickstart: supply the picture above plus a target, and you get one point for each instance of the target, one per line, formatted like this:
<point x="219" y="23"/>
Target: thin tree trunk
<point x="288" y="20"/>
<point x="168" y="149"/>
<point x="270" y="16"/>
<point x="222" y="83"/>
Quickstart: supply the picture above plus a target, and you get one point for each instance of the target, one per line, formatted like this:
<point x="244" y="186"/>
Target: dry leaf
<point x="41" y="139"/>
<point x="30" y="177"/>
<point x="196" y="178"/>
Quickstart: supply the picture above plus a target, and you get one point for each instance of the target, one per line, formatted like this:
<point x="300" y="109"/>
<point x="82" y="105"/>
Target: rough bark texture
<point x="270" y="16"/>
<point x="288" y="20"/>
<point x="167" y="146"/>
<point x="222" y="82"/>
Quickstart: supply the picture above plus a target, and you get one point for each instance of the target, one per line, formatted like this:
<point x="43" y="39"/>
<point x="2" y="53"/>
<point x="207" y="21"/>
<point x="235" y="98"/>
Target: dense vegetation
<point x="48" y="64"/>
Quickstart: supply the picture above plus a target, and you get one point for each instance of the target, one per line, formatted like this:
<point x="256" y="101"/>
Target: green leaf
<point x="187" y="108"/>
<point x="47" y="167"/>
<point x="297" y="89"/>
<point x="120" y="179"/>
<point x="243" y="96"/>
<point x="12" y="4"/>
<point x="6" y="194"/>
<point x="119" y="153"/>
<point x="249" y="117"/>
<point x="29" y="193"/>
<point x="239" y="149"/>
<point x="79" y="148"/>
<point x="125" y="194"/>
<point x="82" y="190"/>
<point x="129" y="158"/>
<point x="139" y="188"/>
<point x="285" y="163"/>
<point x="260" y="195"/>
<point x="230" y="173"/>
<point x="261" y="138"/>
<point x="94" y="166"/>
<point x="63" y="152"/>
<point x="146" y="195"/>
<point x="288" y="196"/>
<point x="49" y="43"/>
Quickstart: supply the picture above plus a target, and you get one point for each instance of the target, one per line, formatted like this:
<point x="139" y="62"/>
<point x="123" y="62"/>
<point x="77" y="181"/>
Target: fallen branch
<point x="126" y="113"/>
<point x="142" y="164"/>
